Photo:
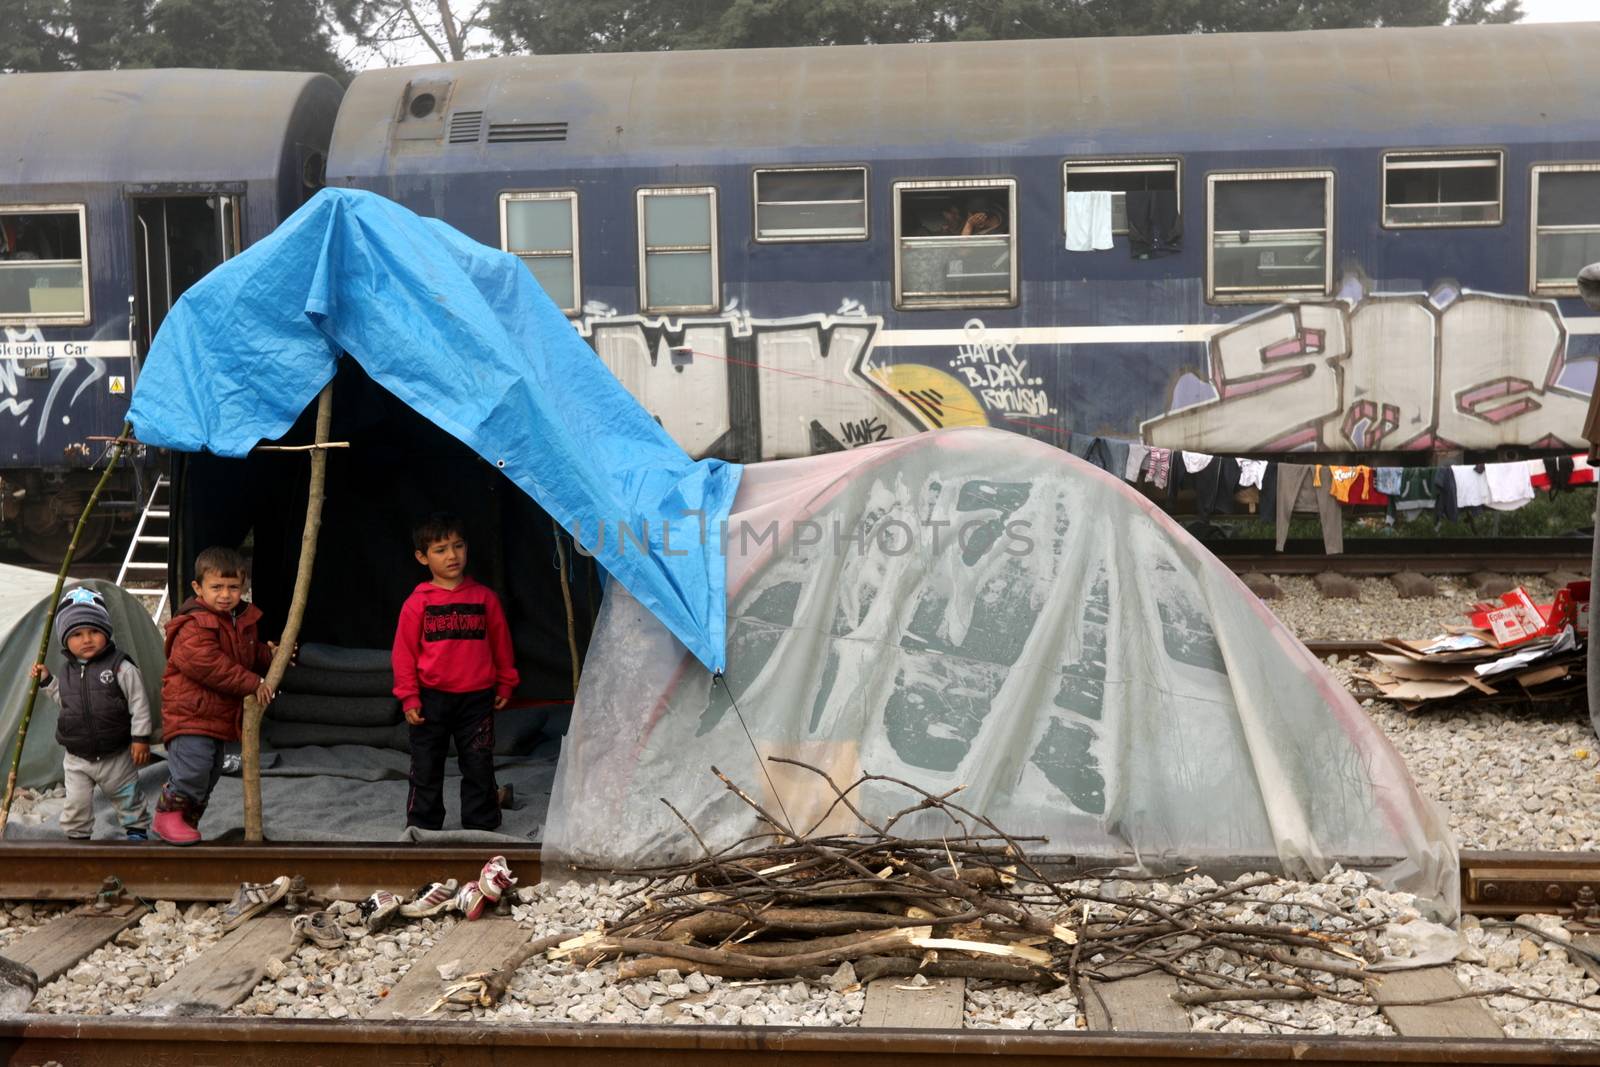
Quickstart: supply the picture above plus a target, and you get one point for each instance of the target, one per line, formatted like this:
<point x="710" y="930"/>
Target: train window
<point x="1159" y="178"/>
<point x="1566" y="225"/>
<point x="955" y="243"/>
<point x="1270" y="234"/>
<point x="1441" y="188"/>
<point x="541" y="229"/>
<point x="811" y="204"/>
<point x="44" y="276"/>
<point x="678" y="249"/>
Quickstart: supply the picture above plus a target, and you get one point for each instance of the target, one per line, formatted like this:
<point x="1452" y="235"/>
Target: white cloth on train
<point x="1089" y="221"/>
<point x="1251" y="471"/>
<point x="1510" y="485"/>
<point x="1195" y="462"/>
<point x="1472" y="487"/>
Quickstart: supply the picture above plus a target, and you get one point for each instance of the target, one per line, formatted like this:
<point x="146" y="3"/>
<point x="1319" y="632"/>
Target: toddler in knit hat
<point x="105" y="718"/>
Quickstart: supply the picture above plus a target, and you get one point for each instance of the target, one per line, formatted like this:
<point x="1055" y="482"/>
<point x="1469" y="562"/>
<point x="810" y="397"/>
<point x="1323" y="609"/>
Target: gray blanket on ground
<point x="339" y="793"/>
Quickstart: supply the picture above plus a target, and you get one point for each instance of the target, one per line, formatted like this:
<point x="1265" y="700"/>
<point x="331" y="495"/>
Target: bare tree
<point x="397" y="32"/>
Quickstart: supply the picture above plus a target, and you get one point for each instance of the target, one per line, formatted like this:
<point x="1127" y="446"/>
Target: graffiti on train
<point x="1000" y="377"/>
<point x="24" y="349"/>
<point x="1384" y="371"/>
<point x="749" y="389"/>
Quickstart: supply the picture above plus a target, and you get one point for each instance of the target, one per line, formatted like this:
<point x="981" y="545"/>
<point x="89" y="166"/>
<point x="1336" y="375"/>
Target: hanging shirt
<point x="1157" y="466"/>
<point x="1195" y="462"/>
<point x="1472" y="487"/>
<point x="1343" y="479"/>
<point x="1387" y="480"/>
<point x="1416" y="492"/>
<point x="1510" y="485"/>
<point x="1250" y="472"/>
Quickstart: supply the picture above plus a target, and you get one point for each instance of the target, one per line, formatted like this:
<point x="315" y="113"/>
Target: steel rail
<point x="132" y="1042"/>
<point x="1492" y="883"/>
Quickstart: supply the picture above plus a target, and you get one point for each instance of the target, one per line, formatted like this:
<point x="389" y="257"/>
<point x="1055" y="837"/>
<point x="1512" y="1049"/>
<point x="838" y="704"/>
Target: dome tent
<point x="24" y="604"/>
<point x="971" y="608"/>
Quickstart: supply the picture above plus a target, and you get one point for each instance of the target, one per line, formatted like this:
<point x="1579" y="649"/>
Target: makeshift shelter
<point x="24" y="603"/>
<point x="971" y="608"/>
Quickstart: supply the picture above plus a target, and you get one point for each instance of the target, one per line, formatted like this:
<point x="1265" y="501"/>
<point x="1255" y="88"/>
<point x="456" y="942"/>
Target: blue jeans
<point x="194" y="763"/>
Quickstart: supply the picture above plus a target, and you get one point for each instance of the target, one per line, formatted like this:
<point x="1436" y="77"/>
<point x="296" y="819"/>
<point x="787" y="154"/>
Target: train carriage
<point x="1341" y="241"/>
<point x="118" y="190"/>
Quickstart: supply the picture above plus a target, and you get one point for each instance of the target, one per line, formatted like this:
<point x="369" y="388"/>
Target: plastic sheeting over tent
<point x="463" y="335"/>
<point x="972" y="608"/>
<point x="24" y="603"/>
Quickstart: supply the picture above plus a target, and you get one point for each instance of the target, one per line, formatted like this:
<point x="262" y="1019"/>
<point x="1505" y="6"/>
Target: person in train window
<point x="982" y="216"/>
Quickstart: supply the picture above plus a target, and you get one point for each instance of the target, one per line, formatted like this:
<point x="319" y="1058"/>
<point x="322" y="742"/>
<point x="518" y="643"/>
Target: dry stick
<point x="566" y="597"/>
<point x="497" y="981"/>
<point x="775" y="967"/>
<point x="1218" y="996"/>
<point x="254" y="710"/>
<point x="122" y="440"/>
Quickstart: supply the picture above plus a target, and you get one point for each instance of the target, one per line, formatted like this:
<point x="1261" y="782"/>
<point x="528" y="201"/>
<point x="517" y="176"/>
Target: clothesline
<point x="1286" y="488"/>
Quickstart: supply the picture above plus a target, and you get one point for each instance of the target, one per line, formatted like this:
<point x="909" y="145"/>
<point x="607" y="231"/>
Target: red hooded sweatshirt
<point x="453" y="640"/>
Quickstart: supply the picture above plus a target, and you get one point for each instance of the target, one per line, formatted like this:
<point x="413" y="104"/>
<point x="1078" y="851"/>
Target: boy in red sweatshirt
<point x="453" y="670"/>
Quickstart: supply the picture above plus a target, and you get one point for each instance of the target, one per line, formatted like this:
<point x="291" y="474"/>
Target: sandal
<point x="318" y="927"/>
<point x="252" y="899"/>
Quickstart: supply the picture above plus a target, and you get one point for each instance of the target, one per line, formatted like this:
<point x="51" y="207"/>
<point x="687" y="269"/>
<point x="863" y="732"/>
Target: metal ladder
<point x="144" y="568"/>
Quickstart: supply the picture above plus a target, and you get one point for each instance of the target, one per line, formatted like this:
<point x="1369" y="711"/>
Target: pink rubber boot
<point x="170" y="825"/>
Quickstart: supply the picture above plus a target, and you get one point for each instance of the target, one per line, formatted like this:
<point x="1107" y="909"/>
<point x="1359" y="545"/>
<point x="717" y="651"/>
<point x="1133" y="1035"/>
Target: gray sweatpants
<point x="117" y="778"/>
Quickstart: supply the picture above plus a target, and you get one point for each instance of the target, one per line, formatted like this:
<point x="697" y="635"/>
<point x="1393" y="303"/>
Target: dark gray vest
<point x="95" y="722"/>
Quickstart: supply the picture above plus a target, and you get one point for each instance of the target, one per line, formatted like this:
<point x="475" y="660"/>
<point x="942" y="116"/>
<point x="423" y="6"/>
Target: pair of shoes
<point x="252" y="899"/>
<point x="319" y="927"/>
<point x="138" y="835"/>
<point x="379" y="910"/>
<point x="490" y="886"/>
<point x="430" y="900"/>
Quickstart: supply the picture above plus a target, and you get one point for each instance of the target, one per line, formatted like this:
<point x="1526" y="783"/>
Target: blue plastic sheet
<point x="464" y="335"/>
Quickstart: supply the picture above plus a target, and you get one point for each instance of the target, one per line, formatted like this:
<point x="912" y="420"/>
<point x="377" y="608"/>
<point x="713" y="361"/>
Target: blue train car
<point x="119" y="189"/>
<point x="1339" y="241"/>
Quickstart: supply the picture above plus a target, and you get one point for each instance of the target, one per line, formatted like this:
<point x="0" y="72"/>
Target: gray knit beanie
<point x="79" y="608"/>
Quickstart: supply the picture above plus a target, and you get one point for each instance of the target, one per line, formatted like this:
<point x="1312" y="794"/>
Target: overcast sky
<point x="1560" y="11"/>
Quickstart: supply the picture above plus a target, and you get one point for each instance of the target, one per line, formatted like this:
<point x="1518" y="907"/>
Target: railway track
<point x="1507" y="883"/>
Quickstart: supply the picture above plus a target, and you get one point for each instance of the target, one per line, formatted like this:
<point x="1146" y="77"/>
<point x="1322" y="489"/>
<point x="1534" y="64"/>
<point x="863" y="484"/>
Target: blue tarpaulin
<point x="462" y="334"/>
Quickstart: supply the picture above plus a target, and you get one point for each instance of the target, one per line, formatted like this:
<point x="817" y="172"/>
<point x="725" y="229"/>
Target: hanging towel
<point x="1250" y="472"/>
<point x="1472" y="486"/>
<point x="1089" y="221"/>
<point x="1510" y="486"/>
<point x="1195" y="462"/>
<point x="1136" y="457"/>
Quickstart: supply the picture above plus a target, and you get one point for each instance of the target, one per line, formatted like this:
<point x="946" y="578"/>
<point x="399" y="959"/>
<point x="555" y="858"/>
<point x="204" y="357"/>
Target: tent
<point x="970" y="608"/>
<point x="24" y="603"/>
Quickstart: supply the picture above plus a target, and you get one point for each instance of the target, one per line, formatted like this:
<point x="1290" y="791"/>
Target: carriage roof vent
<point x="510" y="132"/>
<point x="466" y="127"/>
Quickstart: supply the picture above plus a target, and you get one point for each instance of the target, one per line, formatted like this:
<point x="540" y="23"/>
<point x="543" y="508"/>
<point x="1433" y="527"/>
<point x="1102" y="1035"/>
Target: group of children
<point x="453" y="668"/>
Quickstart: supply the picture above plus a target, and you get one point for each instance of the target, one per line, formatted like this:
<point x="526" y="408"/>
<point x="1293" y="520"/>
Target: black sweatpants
<point x="469" y="718"/>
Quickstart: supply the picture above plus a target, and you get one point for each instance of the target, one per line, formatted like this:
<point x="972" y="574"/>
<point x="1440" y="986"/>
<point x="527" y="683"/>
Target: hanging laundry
<point x="1158" y="467"/>
<point x="1472" y="486"/>
<point x="1416" y="492"/>
<point x="1446" y="506"/>
<point x="1089" y="221"/>
<point x="1341" y="480"/>
<point x="1297" y="491"/>
<point x="1194" y="462"/>
<point x="1213" y="483"/>
<point x="1561" y="472"/>
<point x="1510" y="486"/>
<point x="1154" y="226"/>
<point x="1136" y="458"/>
<point x="1250" y="472"/>
<point x="1387" y="480"/>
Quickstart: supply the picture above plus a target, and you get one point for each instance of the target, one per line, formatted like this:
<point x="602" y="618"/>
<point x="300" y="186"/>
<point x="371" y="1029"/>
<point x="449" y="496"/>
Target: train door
<point x="177" y="241"/>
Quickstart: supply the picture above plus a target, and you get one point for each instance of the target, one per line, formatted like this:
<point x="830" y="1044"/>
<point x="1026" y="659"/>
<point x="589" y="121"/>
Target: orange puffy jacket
<point x="213" y="662"/>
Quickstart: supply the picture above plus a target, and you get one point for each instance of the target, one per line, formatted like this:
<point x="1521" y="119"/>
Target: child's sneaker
<point x="252" y="899"/>
<point x="379" y="910"/>
<point x="138" y="835"/>
<point x="320" y="928"/>
<point x="430" y="900"/>
<point x="470" y="901"/>
<point x="495" y="879"/>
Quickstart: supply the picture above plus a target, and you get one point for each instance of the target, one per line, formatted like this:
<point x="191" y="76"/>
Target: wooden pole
<point x="50" y="618"/>
<point x="250" y="733"/>
<point x="566" y="595"/>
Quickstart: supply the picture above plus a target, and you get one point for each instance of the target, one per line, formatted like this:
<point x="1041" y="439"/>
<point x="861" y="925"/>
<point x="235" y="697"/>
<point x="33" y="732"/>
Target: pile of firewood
<point x="790" y="904"/>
